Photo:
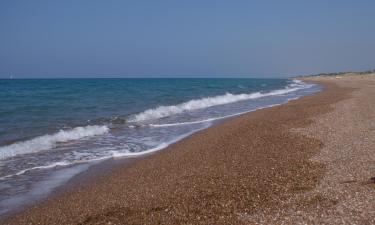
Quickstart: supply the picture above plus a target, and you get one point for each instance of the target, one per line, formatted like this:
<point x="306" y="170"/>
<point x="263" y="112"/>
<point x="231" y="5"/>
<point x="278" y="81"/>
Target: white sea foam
<point x="116" y="154"/>
<point x="165" y="111"/>
<point x="49" y="141"/>
<point x="159" y="147"/>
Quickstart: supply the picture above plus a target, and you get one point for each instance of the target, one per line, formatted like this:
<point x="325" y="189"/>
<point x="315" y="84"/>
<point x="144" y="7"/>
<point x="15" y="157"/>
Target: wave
<point x="114" y="154"/>
<point x="165" y="111"/>
<point x="209" y="119"/>
<point x="49" y="141"/>
<point x="63" y="163"/>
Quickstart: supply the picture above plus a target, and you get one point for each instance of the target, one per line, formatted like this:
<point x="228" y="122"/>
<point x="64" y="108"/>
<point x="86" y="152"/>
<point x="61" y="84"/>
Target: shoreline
<point x="254" y="157"/>
<point x="86" y="179"/>
<point x="95" y="171"/>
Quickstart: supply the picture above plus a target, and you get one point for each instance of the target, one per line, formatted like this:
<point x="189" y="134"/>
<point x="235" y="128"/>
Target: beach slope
<point x="308" y="160"/>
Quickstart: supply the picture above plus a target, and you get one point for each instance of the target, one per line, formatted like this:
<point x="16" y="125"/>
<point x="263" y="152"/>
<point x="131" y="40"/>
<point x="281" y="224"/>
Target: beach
<point x="308" y="161"/>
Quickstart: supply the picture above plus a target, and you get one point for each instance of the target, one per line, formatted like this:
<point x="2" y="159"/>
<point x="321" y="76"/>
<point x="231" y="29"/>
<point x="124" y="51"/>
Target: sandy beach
<point x="308" y="161"/>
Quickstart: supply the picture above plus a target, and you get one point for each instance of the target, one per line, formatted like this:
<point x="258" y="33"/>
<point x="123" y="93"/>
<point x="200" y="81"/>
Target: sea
<point x="53" y="129"/>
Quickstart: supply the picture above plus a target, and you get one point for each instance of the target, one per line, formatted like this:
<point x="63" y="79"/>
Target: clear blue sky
<point x="97" y="38"/>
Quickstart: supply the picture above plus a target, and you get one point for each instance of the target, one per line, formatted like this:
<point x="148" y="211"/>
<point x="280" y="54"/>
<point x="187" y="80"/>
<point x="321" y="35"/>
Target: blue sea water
<point x="54" y="125"/>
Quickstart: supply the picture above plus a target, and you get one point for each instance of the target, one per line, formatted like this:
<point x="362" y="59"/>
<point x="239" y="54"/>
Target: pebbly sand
<point x="309" y="161"/>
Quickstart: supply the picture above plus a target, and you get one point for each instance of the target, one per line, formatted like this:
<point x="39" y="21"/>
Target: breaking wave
<point x="49" y="141"/>
<point x="209" y="119"/>
<point x="165" y="111"/>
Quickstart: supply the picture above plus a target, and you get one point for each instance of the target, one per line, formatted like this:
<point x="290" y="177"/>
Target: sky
<point x="195" y="38"/>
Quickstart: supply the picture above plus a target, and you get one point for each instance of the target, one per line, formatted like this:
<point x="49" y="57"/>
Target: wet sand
<point x="310" y="160"/>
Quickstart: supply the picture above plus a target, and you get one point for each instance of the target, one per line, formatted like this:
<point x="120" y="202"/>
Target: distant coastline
<point x="347" y="73"/>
